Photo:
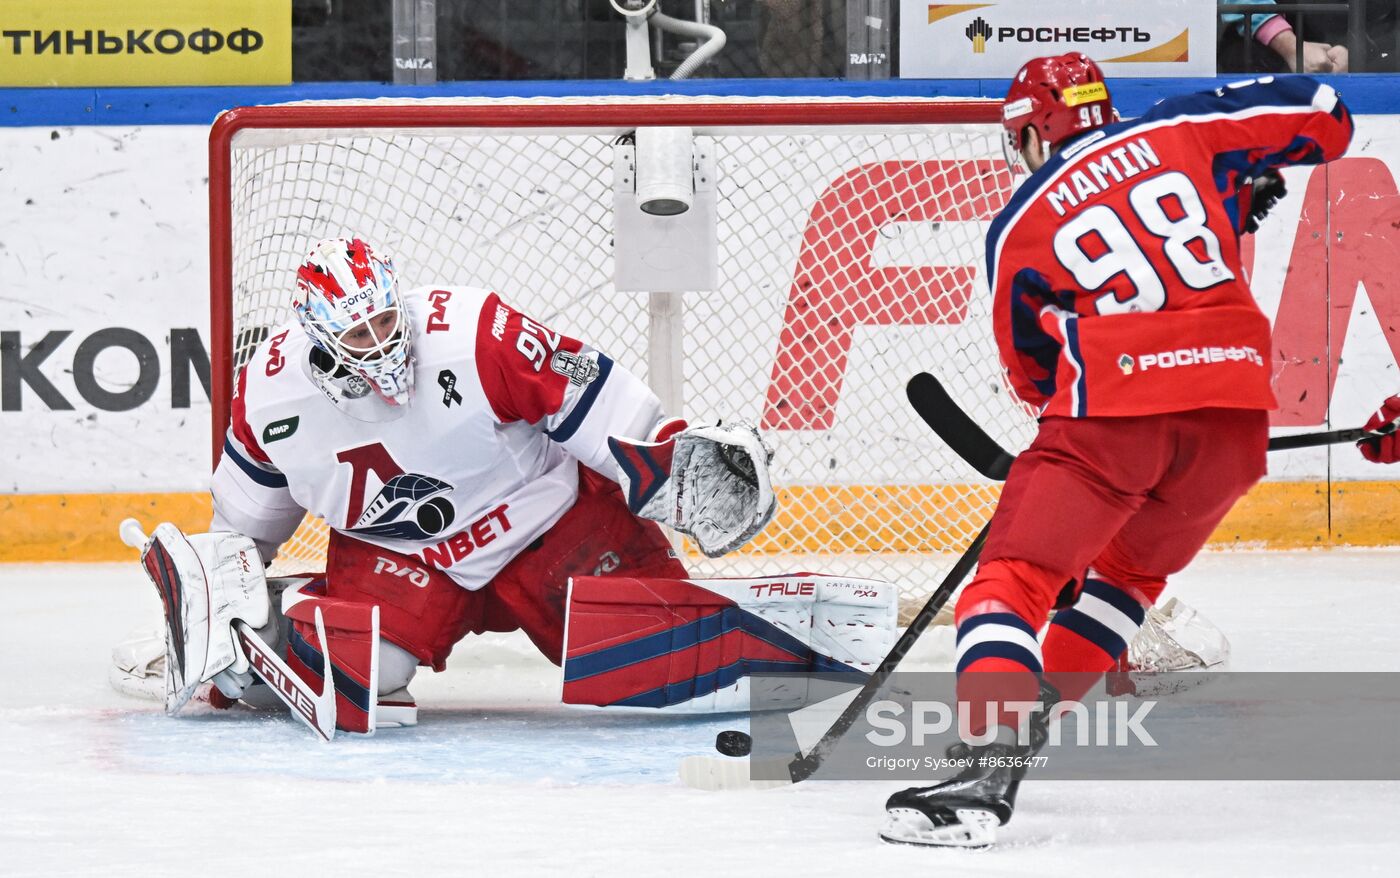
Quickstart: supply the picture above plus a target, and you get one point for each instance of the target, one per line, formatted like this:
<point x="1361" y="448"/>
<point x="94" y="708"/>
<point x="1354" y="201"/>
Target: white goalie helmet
<point x="348" y="302"/>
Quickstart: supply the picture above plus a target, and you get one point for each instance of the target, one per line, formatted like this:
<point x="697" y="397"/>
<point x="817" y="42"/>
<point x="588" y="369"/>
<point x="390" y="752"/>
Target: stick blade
<point x="929" y="398"/>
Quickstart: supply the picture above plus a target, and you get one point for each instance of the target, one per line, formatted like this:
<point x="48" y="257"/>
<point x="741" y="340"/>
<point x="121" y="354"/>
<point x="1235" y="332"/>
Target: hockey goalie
<point x="479" y="472"/>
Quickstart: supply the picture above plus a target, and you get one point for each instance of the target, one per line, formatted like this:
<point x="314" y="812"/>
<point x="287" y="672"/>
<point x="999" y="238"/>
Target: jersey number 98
<point x="1123" y="255"/>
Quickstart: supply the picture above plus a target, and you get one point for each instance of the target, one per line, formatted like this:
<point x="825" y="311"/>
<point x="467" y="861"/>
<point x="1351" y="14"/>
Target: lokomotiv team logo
<point x="410" y="506"/>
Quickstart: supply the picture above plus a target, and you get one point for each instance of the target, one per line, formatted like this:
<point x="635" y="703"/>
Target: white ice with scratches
<point x="499" y="780"/>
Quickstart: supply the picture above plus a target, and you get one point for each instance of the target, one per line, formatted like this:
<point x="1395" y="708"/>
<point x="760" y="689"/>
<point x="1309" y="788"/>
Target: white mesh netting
<point x="849" y="259"/>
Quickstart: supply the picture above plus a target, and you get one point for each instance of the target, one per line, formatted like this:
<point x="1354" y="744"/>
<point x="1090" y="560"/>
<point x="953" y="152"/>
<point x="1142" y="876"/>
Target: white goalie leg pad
<point x="690" y="645"/>
<point x="206" y="582"/>
<point x="138" y="665"/>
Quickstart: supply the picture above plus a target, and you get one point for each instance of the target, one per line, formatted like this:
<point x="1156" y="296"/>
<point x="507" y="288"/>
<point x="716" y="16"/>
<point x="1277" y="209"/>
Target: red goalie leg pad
<point x="631" y="641"/>
<point x="686" y="644"/>
<point x="350" y="636"/>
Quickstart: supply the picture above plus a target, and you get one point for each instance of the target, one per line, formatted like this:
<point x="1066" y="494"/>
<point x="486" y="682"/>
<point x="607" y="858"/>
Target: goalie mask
<point x="1059" y="97"/>
<point x="348" y="302"/>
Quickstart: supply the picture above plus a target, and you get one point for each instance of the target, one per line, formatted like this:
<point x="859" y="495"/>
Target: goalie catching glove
<point x="709" y="483"/>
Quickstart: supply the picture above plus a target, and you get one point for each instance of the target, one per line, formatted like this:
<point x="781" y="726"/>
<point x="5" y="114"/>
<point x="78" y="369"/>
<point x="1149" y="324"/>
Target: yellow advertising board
<point x="145" y="42"/>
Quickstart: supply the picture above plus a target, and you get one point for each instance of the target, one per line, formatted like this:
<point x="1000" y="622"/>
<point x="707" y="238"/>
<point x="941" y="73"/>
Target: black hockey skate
<point x="965" y="810"/>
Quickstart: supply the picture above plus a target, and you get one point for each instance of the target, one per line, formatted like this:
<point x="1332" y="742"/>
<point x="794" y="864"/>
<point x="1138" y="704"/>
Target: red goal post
<point x="849" y="253"/>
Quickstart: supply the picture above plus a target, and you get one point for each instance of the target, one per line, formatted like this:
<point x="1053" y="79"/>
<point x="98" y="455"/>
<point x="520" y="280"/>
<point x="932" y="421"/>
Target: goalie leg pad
<point x="689" y="645"/>
<point x="352" y="641"/>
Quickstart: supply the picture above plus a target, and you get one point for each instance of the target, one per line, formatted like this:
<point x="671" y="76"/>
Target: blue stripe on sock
<point x="1003" y="650"/>
<point x="1092" y="630"/>
<point x="1009" y="619"/>
<point x="1117" y="598"/>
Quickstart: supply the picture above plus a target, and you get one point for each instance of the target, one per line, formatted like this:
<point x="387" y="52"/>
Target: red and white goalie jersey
<point x="481" y="463"/>
<point x="1116" y="267"/>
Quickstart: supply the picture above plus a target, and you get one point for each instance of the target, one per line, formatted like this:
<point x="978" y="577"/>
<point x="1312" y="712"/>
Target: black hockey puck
<point x="733" y="743"/>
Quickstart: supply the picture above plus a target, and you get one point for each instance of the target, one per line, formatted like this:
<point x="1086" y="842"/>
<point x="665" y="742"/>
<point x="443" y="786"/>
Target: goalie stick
<point x="316" y="710"/>
<point x="953" y="425"/>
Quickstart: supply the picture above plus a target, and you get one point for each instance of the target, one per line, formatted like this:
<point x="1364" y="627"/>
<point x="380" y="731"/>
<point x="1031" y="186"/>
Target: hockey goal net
<point x="849" y="249"/>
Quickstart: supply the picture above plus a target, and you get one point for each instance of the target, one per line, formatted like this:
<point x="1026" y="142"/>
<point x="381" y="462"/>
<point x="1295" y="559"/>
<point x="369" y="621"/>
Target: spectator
<point x="1275" y="32"/>
<point x="802" y="38"/>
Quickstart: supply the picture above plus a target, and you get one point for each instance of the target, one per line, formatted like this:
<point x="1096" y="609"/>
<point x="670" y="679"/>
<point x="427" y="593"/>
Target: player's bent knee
<point x="1009" y="585"/>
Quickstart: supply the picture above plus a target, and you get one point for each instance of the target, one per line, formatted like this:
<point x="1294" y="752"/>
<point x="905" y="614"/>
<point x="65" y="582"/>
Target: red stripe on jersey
<point x="514" y="357"/>
<point x="238" y="420"/>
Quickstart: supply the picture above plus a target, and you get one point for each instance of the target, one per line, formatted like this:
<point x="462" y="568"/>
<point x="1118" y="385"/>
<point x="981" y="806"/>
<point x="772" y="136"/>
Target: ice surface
<point x="500" y="780"/>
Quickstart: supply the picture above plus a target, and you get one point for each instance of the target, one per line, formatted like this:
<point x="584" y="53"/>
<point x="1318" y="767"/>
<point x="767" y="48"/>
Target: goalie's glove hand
<point x="206" y="582"/>
<point x="709" y="483"/>
<point x="1383" y="449"/>
<point x="1268" y="190"/>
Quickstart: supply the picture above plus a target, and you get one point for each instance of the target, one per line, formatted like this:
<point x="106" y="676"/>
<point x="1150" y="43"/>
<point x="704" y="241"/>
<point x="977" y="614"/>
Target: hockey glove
<point x="1268" y="190"/>
<point x="205" y="582"/>
<point x="1383" y="449"/>
<point x="710" y="483"/>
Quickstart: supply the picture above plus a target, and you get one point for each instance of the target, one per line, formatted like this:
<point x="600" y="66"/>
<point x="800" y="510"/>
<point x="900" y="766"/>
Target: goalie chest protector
<point x="450" y="479"/>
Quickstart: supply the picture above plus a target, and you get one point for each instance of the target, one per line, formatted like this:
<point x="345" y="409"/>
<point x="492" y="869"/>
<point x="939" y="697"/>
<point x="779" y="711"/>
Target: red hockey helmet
<point x="1059" y="96"/>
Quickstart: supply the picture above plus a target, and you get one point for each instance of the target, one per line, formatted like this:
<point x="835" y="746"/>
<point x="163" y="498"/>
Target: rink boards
<point x="105" y="333"/>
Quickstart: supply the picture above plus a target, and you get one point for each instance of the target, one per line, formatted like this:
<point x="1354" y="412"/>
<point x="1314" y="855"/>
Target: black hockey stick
<point x="721" y="773"/>
<point x="804" y="767"/>
<point x="983" y="454"/>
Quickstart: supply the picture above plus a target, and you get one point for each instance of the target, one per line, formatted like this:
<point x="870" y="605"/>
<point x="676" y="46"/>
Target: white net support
<point x="850" y="256"/>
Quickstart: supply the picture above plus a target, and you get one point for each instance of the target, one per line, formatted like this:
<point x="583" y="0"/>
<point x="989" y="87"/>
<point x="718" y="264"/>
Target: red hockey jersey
<point x="1116" y="266"/>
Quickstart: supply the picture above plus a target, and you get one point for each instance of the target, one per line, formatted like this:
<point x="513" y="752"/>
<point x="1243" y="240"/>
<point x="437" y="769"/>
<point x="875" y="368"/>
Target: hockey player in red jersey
<point x="470" y="463"/>
<point x="1121" y="312"/>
